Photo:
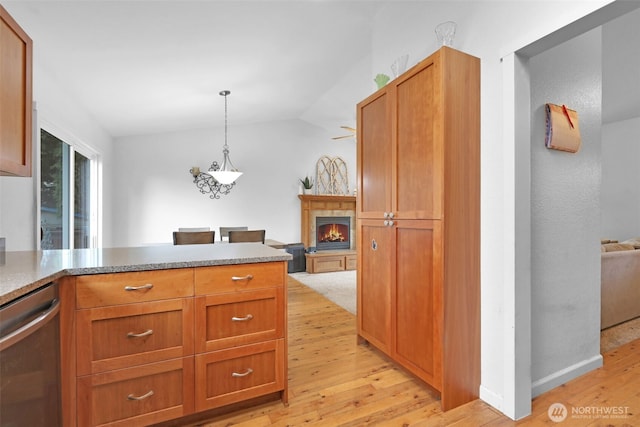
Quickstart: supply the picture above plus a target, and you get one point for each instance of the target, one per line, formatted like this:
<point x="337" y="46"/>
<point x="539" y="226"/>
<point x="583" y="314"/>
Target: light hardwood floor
<point x="335" y="382"/>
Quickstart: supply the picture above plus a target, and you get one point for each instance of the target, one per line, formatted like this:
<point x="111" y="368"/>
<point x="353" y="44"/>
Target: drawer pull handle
<point x="141" y="334"/>
<point x="244" y="374"/>
<point x="238" y="278"/>
<point x="144" y="396"/>
<point x="138" y="288"/>
<point x="242" y="319"/>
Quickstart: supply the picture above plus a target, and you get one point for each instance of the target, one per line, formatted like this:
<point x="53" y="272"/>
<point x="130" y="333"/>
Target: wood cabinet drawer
<point x="124" y="288"/>
<point x="327" y="263"/>
<point x="239" y="277"/>
<point x="137" y="396"/>
<point x="126" y="335"/>
<point x="230" y="320"/>
<point x="240" y="373"/>
<point x="351" y="262"/>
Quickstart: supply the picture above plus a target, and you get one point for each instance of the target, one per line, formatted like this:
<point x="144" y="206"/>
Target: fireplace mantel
<point x="311" y="204"/>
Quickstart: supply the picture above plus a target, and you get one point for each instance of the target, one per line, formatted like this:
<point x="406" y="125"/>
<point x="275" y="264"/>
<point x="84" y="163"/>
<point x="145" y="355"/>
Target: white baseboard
<point x="491" y="398"/>
<point x="497" y="402"/>
<point x="562" y="376"/>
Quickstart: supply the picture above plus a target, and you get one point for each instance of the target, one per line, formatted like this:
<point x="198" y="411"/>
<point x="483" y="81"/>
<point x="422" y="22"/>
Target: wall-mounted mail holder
<point x="563" y="130"/>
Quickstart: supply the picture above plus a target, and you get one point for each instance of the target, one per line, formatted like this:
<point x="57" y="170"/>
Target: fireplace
<point x="333" y="232"/>
<point x="314" y="206"/>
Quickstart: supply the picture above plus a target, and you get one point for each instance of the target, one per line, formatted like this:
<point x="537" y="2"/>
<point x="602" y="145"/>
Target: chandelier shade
<point x="227" y="174"/>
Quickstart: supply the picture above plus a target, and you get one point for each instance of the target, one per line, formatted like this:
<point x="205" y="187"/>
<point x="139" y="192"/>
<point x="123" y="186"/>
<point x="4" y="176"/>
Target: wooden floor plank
<point x="335" y="382"/>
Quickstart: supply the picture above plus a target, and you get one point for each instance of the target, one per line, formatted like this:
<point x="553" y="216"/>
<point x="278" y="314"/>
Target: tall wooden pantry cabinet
<point x="418" y="219"/>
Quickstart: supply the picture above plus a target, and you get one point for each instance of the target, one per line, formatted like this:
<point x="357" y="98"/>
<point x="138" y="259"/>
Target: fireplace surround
<point x="314" y="206"/>
<point x="311" y="208"/>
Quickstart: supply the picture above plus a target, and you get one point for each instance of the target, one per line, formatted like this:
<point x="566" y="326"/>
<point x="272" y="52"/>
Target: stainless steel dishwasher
<point x="30" y="360"/>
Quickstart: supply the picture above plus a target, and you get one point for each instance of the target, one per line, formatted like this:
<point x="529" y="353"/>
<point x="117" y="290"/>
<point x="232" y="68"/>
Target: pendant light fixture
<point x="227" y="174"/>
<point x="218" y="180"/>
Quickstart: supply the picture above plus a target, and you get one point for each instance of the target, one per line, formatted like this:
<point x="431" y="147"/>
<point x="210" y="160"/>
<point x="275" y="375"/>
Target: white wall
<point x="621" y="127"/>
<point x="565" y="216"/>
<point x="620" y="190"/>
<point x="54" y="105"/>
<point x="155" y="194"/>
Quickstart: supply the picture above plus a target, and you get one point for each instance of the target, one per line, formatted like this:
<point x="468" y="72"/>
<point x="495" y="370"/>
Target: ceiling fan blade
<point x="343" y="137"/>
<point x="348" y="128"/>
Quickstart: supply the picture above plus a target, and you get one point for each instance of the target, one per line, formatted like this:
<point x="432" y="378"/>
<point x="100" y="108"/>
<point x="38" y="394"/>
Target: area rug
<point x="339" y="286"/>
<point x="618" y="335"/>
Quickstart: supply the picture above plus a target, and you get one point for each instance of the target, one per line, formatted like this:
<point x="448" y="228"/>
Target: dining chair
<point x="193" y="237"/>
<point x="224" y="232"/>
<point x="192" y="229"/>
<point x="238" y="236"/>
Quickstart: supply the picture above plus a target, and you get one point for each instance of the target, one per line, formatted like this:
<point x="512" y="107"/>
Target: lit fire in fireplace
<point x="333" y="233"/>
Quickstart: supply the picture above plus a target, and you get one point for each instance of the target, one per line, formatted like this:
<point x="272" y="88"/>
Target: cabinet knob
<point x="390" y="215"/>
<point x="386" y="215"/>
<point x="390" y="223"/>
<point x="374" y="244"/>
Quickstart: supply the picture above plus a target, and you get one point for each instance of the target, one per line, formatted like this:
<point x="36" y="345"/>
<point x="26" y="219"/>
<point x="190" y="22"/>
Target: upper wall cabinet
<point x="16" y="52"/>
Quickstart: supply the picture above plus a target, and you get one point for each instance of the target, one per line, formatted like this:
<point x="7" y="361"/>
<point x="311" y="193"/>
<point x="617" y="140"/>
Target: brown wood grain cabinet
<point x="335" y="260"/>
<point x="16" y="97"/>
<point x="241" y="334"/>
<point x="418" y="216"/>
<point x="153" y="346"/>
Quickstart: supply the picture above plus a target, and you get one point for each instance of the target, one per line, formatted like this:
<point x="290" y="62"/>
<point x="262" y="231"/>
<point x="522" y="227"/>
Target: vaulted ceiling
<point x="155" y="66"/>
<point x="149" y="66"/>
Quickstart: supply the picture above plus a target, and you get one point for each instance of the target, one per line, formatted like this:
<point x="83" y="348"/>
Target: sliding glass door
<point x="81" y="201"/>
<point x="67" y="208"/>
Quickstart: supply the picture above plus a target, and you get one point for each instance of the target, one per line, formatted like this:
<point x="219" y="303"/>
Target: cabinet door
<point x="419" y="166"/>
<point x="418" y="299"/>
<point x="376" y="267"/>
<point x="15" y="97"/>
<point x="374" y="156"/>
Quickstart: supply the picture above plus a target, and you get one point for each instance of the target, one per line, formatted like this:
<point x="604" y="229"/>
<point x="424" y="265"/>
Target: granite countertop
<point x="25" y="271"/>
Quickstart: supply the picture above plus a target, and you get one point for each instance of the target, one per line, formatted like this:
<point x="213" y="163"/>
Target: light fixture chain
<point x="225" y="93"/>
<point x="225" y="120"/>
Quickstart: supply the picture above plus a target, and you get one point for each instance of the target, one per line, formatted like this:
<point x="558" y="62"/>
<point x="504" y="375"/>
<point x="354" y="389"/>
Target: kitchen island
<point x="160" y="333"/>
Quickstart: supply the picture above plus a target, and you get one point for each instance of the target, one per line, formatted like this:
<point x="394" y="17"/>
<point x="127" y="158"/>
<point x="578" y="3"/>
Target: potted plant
<point x="307" y="184"/>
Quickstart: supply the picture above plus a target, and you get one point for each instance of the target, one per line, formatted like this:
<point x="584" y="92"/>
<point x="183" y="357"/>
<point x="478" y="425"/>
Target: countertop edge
<point x="37" y="280"/>
<point x="30" y="287"/>
<point x="170" y="265"/>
